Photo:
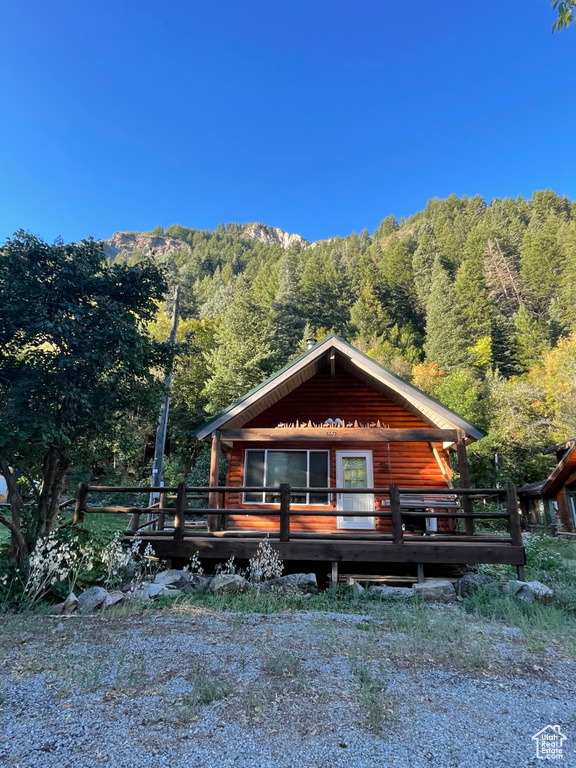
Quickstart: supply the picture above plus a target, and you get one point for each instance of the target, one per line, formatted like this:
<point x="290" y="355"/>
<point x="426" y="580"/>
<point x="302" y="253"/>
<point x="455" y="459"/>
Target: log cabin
<point x="551" y="503"/>
<point x="341" y="463"/>
<point x="330" y="422"/>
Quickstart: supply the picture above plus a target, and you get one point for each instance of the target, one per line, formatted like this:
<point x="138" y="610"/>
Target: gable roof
<point x="566" y="467"/>
<point x="355" y="362"/>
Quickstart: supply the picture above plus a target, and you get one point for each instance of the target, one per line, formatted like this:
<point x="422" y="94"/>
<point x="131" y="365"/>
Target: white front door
<point x="354" y="470"/>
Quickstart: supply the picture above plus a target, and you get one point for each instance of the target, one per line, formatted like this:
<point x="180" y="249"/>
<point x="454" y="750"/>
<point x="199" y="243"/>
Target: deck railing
<point x="404" y="504"/>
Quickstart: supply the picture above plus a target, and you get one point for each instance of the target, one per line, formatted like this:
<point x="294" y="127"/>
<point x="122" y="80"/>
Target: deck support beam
<point x="214" y="499"/>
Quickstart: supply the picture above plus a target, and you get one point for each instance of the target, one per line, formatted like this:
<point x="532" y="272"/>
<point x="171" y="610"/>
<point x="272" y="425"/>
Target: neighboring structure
<point x="3" y="490"/>
<point x="335" y="418"/>
<point x="552" y="502"/>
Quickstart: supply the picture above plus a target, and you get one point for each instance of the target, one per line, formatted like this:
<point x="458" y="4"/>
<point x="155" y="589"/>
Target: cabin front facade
<point x="334" y="419"/>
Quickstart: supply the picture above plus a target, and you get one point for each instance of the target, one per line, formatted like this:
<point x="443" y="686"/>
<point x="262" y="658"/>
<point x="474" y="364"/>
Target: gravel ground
<point x="286" y="690"/>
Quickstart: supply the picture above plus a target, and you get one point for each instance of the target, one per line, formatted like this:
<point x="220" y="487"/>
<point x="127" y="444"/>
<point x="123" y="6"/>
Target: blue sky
<point x="316" y="116"/>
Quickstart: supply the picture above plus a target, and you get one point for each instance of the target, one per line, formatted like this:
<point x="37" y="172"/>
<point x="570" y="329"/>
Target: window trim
<point x="307" y="451"/>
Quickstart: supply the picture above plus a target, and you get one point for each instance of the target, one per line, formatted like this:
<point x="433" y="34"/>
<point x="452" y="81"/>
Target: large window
<point x="301" y="469"/>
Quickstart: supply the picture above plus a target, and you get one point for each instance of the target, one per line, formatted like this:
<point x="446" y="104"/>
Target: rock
<point x="172" y="578"/>
<point x="392" y="592"/>
<point x="70" y="604"/>
<point x="305" y="583"/>
<point x="198" y="583"/>
<point x="225" y="583"/>
<point x="541" y="592"/>
<point x="512" y="587"/>
<point x="113" y="599"/>
<point x="471" y="582"/>
<point x="58" y="609"/>
<point x="92" y="599"/>
<point x="139" y="592"/>
<point x="437" y="590"/>
<point x="356" y="588"/>
<point x="529" y="591"/>
<point x="162" y="590"/>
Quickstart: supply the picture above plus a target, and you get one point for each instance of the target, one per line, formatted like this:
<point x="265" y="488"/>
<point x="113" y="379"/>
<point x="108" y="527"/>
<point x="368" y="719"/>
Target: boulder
<point x="70" y="604"/>
<point x="162" y="590"/>
<point x="395" y="593"/>
<point x="225" y="583"/>
<point x="529" y="591"/>
<point x="92" y="599"/>
<point x="471" y="582"/>
<point x="172" y="578"/>
<point x="356" y="588"/>
<point x="436" y="590"/>
<point x="198" y="583"/>
<point x="304" y="583"/>
<point x="113" y="599"/>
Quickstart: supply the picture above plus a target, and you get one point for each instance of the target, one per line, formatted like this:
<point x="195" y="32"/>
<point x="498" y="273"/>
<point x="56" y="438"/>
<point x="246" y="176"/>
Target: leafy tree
<point x="566" y="11"/>
<point x="76" y="356"/>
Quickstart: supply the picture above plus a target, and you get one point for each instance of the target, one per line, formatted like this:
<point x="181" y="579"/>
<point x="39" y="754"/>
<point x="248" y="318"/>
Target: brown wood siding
<point x="344" y="397"/>
<point x="320" y="398"/>
<point x="563" y="505"/>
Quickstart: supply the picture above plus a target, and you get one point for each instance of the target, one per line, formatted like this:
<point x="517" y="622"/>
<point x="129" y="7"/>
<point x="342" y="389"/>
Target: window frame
<point x="307" y="451"/>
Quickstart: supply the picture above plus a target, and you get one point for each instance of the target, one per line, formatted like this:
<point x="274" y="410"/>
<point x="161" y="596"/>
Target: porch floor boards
<point x="332" y="549"/>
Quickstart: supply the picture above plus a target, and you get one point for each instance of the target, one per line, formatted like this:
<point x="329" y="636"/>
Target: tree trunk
<point x="18" y="549"/>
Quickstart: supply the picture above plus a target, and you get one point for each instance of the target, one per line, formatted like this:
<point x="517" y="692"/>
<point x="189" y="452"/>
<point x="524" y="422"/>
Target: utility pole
<point x="163" y="420"/>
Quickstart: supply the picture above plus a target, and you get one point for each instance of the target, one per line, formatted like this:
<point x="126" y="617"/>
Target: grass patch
<point x="542" y="626"/>
<point x="371" y="691"/>
<point x="282" y="664"/>
<point x="206" y="689"/>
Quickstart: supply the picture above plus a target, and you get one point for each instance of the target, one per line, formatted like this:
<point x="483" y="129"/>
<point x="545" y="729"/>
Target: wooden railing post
<point x="81" y="500"/>
<point x="284" y="512"/>
<point x="514" y="522"/>
<point x="467" y="504"/>
<point x="397" y="533"/>
<point x="180" y="516"/>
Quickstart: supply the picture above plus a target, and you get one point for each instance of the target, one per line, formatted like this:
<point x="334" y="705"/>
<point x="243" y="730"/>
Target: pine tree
<point x="445" y="344"/>
<point x="423" y="263"/>
<point x="287" y="319"/>
<point x="243" y="356"/>
<point x="531" y="338"/>
<point x="542" y="262"/>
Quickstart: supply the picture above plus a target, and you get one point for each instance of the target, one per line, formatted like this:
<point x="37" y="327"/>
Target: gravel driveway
<point x="189" y="687"/>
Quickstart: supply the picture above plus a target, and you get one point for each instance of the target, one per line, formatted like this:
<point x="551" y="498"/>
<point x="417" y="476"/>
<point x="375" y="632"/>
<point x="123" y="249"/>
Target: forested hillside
<point x="472" y="302"/>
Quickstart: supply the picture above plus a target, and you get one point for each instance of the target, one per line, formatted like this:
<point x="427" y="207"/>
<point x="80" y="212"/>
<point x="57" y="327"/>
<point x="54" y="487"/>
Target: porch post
<point x="214" y="521"/>
<point x="465" y="481"/>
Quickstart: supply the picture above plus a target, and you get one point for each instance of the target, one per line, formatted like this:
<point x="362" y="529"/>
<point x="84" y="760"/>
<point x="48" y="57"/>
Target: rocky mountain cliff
<point x="126" y="242"/>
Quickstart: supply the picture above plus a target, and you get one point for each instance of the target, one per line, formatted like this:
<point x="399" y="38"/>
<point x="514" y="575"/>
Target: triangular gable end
<point x="334" y="350"/>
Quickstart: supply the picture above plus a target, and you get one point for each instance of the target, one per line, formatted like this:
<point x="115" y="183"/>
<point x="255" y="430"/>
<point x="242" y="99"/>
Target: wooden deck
<point x="171" y="526"/>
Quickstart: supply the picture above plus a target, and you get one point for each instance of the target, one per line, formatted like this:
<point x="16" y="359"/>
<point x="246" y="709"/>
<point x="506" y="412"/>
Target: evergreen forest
<point x="471" y="302"/>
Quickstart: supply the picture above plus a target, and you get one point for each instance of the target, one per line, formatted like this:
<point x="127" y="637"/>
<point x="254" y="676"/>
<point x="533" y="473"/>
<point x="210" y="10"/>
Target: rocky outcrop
<point x="271" y="235"/>
<point x="149" y="245"/>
